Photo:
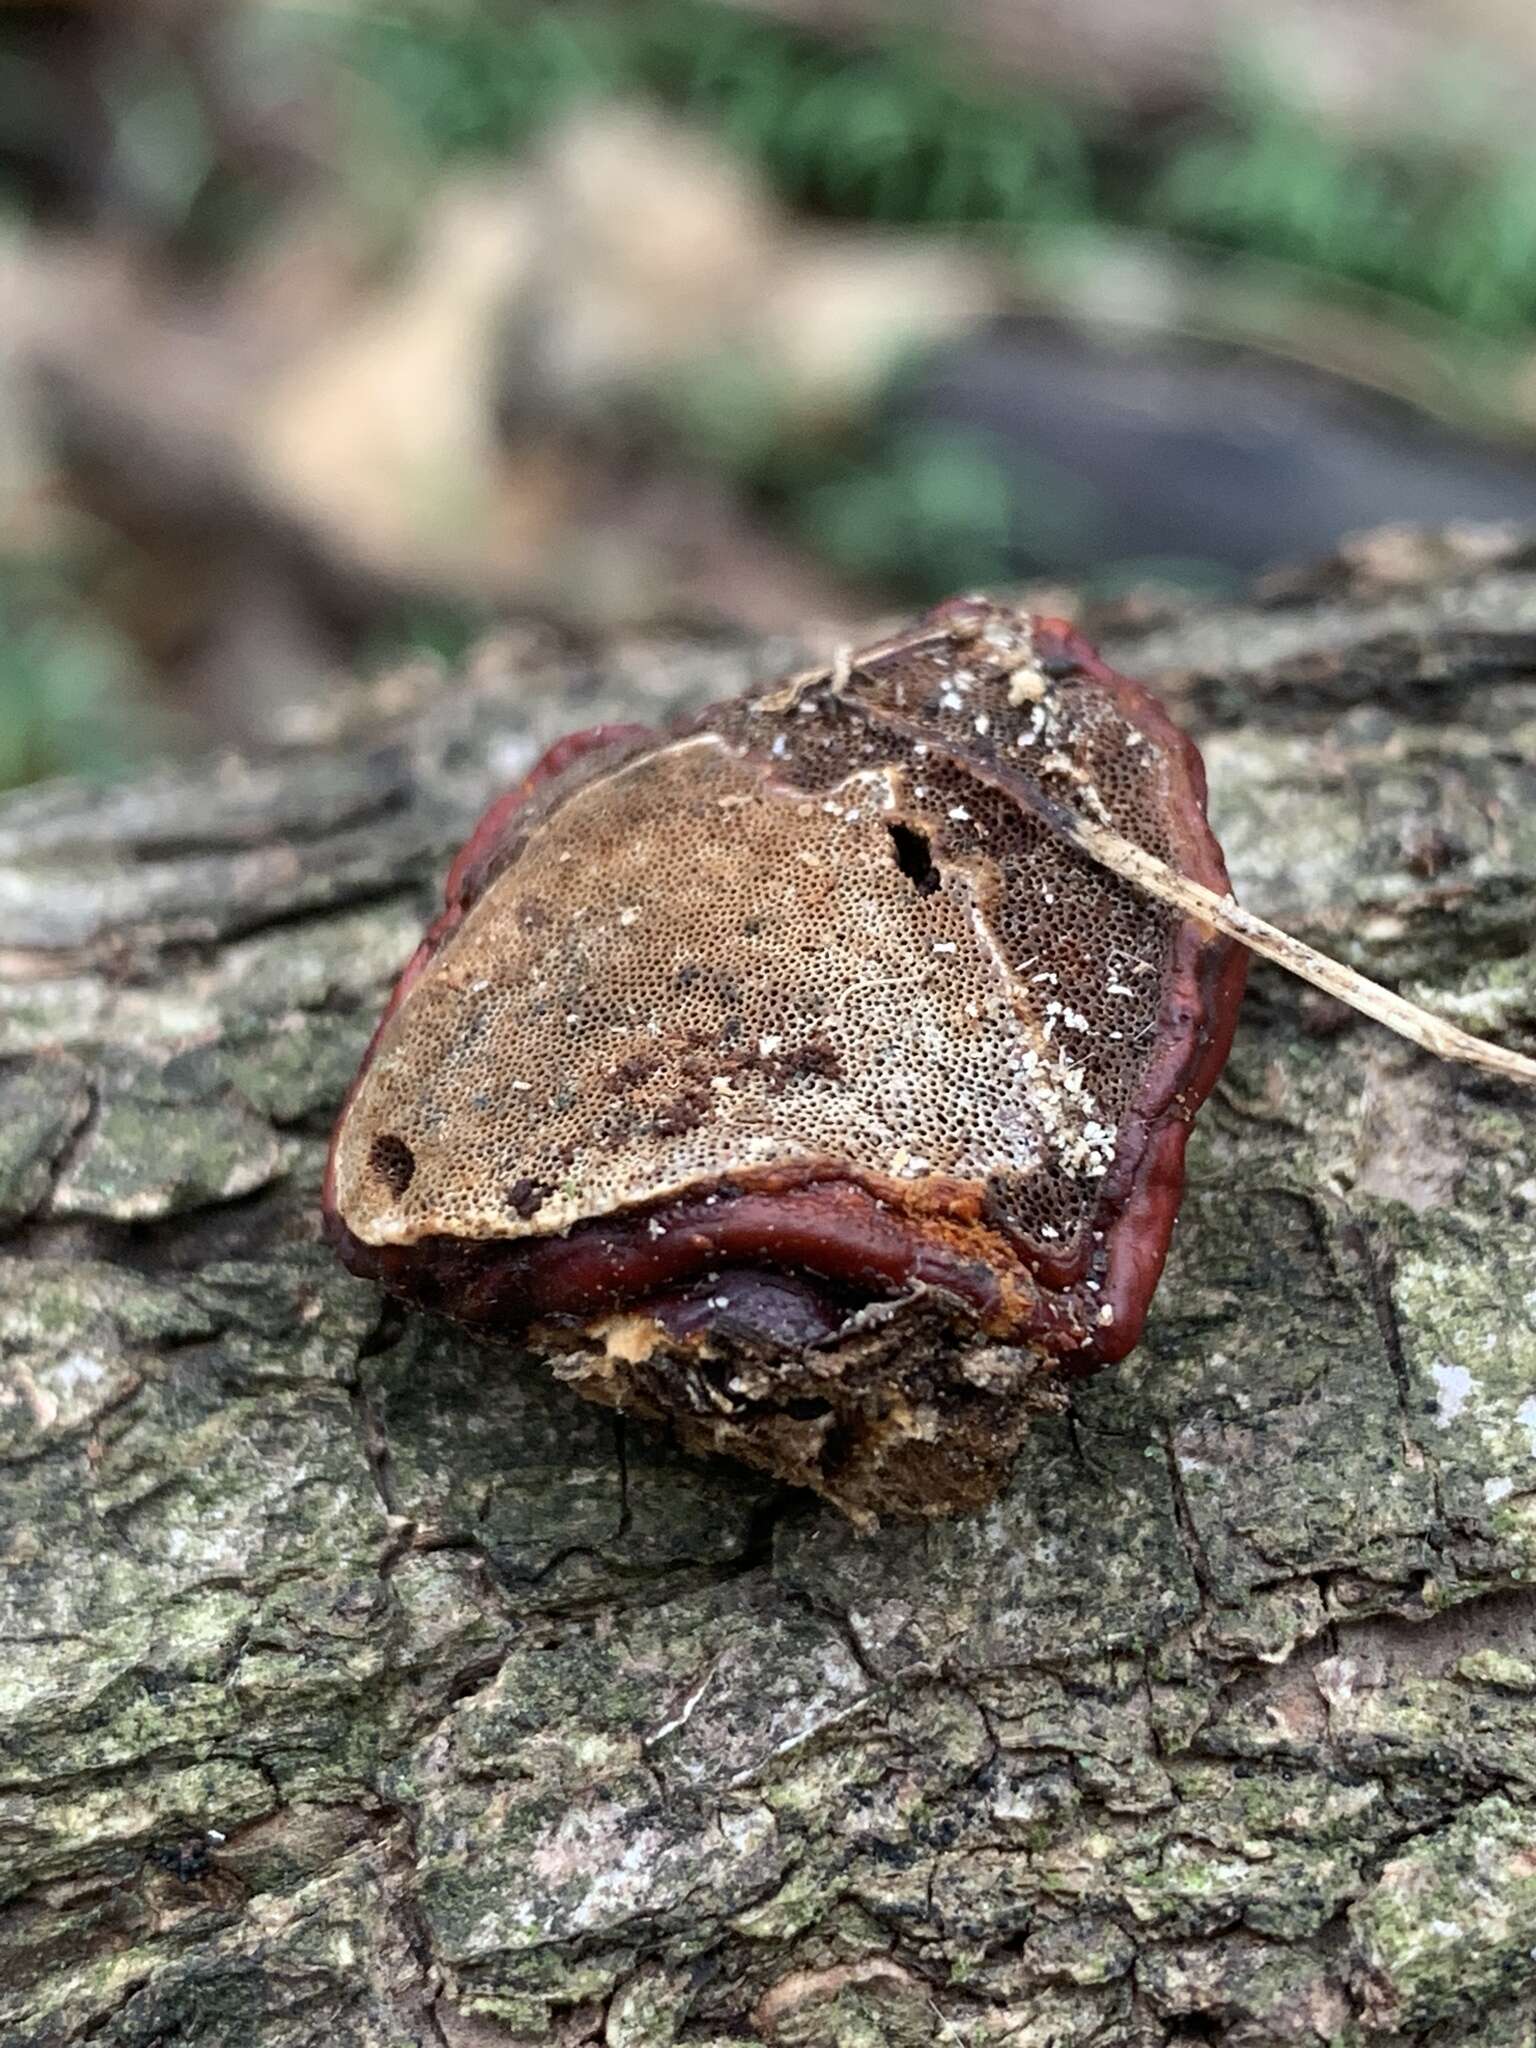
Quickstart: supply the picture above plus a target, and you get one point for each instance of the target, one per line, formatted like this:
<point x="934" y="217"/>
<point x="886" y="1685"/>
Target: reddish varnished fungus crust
<point x="787" y="1077"/>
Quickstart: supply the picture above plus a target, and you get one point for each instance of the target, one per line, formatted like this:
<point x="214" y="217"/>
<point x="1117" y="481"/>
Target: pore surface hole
<point x="914" y="856"/>
<point x="393" y="1161"/>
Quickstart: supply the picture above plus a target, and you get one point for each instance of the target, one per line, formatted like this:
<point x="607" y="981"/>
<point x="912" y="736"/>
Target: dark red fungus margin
<point x="1200" y="1011"/>
<point x="837" y="1231"/>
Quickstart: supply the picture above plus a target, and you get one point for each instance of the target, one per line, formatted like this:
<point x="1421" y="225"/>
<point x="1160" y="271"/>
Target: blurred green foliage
<point x="885" y="134"/>
<point x="906" y="130"/>
<point x="1415" y="221"/>
<point x="443" y="629"/>
<point x="922" y="510"/>
<point x="67" y="683"/>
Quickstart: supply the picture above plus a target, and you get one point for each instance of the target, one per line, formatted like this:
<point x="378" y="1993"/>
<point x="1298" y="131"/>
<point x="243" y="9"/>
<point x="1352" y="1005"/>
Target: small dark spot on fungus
<point x="631" y="1073"/>
<point x="393" y="1161"/>
<point x="846" y="1101"/>
<point x="684" y="1112"/>
<point x="914" y="856"/>
<point x="813" y="1059"/>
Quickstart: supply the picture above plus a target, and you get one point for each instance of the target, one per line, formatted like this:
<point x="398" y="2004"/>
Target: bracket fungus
<point x="808" y="1077"/>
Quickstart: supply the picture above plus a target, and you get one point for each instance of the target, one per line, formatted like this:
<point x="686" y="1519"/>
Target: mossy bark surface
<point x="360" y="1687"/>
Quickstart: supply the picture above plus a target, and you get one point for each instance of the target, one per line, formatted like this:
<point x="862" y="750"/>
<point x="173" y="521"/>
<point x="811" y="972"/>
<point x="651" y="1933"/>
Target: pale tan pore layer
<point x="690" y="972"/>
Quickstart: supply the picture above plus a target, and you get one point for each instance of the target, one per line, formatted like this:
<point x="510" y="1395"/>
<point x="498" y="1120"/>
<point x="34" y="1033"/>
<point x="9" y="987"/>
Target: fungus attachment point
<point x="816" y="1077"/>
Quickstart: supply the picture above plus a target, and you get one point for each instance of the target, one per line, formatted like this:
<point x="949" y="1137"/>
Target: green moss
<point x="1451" y="1924"/>
<point x="159" y="1144"/>
<point x="1498" y="1668"/>
<point x="42" y="1102"/>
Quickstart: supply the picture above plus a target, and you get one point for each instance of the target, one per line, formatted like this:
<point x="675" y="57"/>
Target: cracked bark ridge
<point x="351" y="1697"/>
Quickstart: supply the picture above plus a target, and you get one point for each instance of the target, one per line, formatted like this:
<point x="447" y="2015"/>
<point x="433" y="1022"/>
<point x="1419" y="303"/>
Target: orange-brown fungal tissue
<point x="787" y="1078"/>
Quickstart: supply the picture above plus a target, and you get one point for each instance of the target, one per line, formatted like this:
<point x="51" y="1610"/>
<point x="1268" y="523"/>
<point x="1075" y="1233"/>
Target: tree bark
<point x="360" y="1687"/>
